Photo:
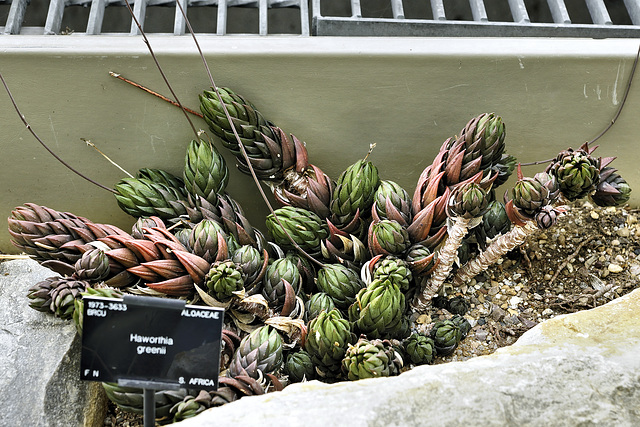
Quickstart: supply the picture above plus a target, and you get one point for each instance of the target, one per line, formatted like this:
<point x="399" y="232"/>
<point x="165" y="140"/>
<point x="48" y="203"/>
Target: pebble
<point x="493" y="291"/>
<point x="497" y="313"/>
<point x="623" y="232"/>
<point x="547" y="312"/>
<point x="614" y="268"/>
<point x="615" y="242"/>
<point x="620" y="259"/>
<point x="547" y="276"/>
<point x="635" y="269"/>
<point x="594" y="215"/>
<point x="514" y="301"/>
<point x="481" y="334"/>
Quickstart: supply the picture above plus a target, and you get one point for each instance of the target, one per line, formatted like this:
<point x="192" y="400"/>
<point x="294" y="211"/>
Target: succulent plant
<point x="612" y="189"/>
<point x="92" y="266"/>
<point x="577" y="173"/>
<point x="341" y="283"/>
<point x="318" y="303"/>
<point x="299" y="367"/>
<point x="224" y="279"/>
<point x="327" y="341"/>
<point x="354" y="192"/>
<point x="379" y="310"/>
<point x="305" y="228"/>
<point x="370" y="359"/>
<point x="259" y="352"/>
<point x="420" y="349"/>
<point x="205" y="171"/>
<point x="446" y="336"/>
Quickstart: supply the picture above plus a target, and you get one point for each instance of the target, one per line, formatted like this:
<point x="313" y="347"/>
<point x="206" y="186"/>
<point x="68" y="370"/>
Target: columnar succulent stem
<point x="499" y="247"/>
<point x="446" y="259"/>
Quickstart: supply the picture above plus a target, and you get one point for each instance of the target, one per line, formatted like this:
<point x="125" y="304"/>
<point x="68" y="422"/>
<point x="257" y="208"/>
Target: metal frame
<point x="480" y="26"/>
<point x="96" y="15"/>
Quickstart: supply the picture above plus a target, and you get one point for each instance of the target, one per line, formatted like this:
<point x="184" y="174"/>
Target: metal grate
<point x="518" y="24"/>
<point x="56" y="11"/>
<point x="433" y="18"/>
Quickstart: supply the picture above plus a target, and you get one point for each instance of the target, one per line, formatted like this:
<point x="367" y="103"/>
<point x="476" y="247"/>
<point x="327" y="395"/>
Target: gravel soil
<point x="589" y="258"/>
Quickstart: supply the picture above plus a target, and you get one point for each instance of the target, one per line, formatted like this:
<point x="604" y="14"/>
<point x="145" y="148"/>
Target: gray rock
<point x="578" y="369"/>
<point x="40" y="359"/>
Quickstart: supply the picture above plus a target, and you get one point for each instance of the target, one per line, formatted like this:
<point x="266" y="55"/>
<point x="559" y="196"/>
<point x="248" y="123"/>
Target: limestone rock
<point x="578" y="369"/>
<point x="40" y="359"/>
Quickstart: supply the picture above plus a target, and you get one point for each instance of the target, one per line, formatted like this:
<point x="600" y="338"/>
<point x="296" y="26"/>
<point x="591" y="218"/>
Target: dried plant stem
<point x="499" y="247"/>
<point x="570" y="258"/>
<point x="240" y="144"/>
<point x="92" y="145"/>
<point x="164" y="76"/>
<point x="446" y="258"/>
<point x="35" y="135"/>
<point x="154" y="93"/>
<point x="627" y="89"/>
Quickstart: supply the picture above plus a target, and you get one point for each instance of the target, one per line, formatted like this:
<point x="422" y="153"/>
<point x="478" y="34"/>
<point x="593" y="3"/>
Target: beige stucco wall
<point x="339" y="95"/>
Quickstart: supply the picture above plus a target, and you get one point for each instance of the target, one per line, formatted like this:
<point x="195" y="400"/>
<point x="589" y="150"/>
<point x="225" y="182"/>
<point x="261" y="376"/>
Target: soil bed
<point x="589" y="258"/>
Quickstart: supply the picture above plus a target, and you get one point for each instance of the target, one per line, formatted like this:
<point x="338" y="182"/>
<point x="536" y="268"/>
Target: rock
<point x="614" y="268"/>
<point x="40" y="359"/>
<point x="497" y="313"/>
<point x="481" y="334"/>
<point x="514" y="301"/>
<point x="623" y="232"/>
<point x="577" y="369"/>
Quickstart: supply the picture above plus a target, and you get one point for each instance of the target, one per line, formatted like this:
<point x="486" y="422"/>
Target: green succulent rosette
<point x="576" y="172"/>
<point x="306" y="229"/>
<point x="140" y="197"/>
<point x="366" y="359"/>
<point x="391" y="201"/>
<point x="612" y="189"/>
<point x="259" y="353"/>
<point x="318" y="303"/>
<point x="394" y="270"/>
<point x="379" y="310"/>
<point x="328" y="338"/>
<point x="223" y="280"/>
<point x="341" y="283"/>
<point x="299" y="367"/>
<point x="274" y="288"/>
<point x="388" y="237"/>
<point x="446" y="336"/>
<point x="420" y="349"/>
<point x="354" y="192"/>
<point x="205" y="171"/>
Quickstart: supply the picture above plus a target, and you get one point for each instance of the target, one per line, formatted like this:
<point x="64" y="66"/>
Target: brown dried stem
<point x="499" y="247"/>
<point x="67" y="165"/>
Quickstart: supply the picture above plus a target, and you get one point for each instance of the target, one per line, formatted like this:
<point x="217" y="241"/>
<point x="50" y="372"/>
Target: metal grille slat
<point x="179" y="23"/>
<point x="437" y="8"/>
<point x="633" y="7"/>
<point x="16" y="16"/>
<point x="519" y="12"/>
<point x="478" y="10"/>
<point x="139" y="11"/>
<point x="559" y="12"/>
<point x="599" y="13"/>
<point x="96" y="17"/>
<point x="304" y="17"/>
<point x="221" y="26"/>
<point x="397" y="9"/>
<point x="54" y="17"/>
<point x="262" y="12"/>
<point x="356" y="10"/>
